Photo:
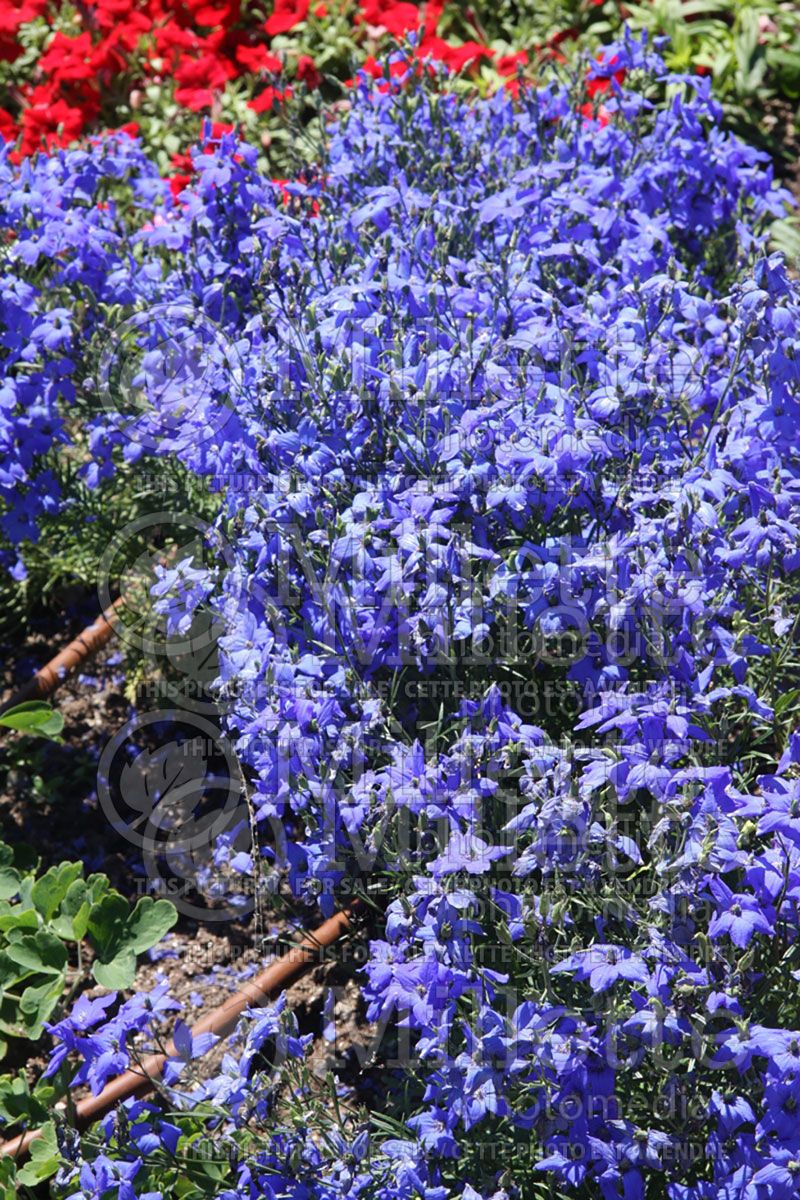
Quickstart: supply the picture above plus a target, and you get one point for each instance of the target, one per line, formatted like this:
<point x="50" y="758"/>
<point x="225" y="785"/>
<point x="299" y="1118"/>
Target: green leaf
<point x="9" y="1189"/>
<point x="785" y="236"/>
<point x="9" y="972"/>
<point x="118" y="973"/>
<point x="36" y="718"/>
<point x="17" y="917"/>
<point x="118" y="935"/>
<point x="37" y="1004"/>
<point x="51" y="889"/>
<point x="40" y="951"/>
<point x="9" y="882"/>
<point x="72" y="920"/>
<point x="98" y="886"/>
<point x="786" y="700"/>
<point x="17" y="1102"/>
<point x="107" y="923"/>
<point x="44" y="1159"/>
<point x="149" y="921"/>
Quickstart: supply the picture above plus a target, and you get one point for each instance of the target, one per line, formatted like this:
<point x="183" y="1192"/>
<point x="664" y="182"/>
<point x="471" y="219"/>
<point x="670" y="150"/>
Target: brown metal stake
<point x="47" y="679"/>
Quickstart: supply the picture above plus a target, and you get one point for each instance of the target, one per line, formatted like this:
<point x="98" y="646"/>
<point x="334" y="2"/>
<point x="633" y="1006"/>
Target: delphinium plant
<point x="500" y="400"/>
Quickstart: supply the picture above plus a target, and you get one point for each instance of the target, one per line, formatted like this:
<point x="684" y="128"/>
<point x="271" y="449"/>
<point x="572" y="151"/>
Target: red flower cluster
<point x="397" y="18"/>
<point x="123" y="45"/>
<point x="12" y="18"/>
<point x="193" y="48"/>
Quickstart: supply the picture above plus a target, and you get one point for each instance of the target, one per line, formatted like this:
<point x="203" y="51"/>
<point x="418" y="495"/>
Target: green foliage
<point x="8" y="1179"/>
<point x="35" y="718"/>
<point x="44" y="1160"/>
<point x="119" y="933"/>
<point x="44" y="921"/>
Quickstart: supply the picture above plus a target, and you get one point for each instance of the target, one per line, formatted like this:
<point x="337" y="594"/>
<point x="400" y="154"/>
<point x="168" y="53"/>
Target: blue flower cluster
<point x="68" y="264"/>
<point x="502" y="402"/>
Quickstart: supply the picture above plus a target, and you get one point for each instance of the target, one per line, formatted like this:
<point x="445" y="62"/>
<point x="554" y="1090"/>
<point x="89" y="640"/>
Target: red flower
<point x="265" y="100"/>
<point x="130" y="127"/>
<point x="170" y="38"/>
<point x="602" y="116"/>
<point x="564" y="35"/>
<point x="506" y="64"/>
<point x="184" y="170"/>
<point x="52" y="122"/>
<point x="121" y="20"/>
<point x="258" y="58"/>
<point x="288" y="199"/>
<point x="433" y="13"/>
<point x="200" y="78"/>
<point x="395" y="16"/>
<point x="218" y="130"/>
<point x="285" y="15"/>
<point x="456" y="58"/>
<point x="11" y="17"/>
<point x="377" y="70"/>
<point x="109" y="55"/>
<point x="225" y="13"/>
<point x="286" y="195"/>
<point x="70" y="59"/>
<point x="183" y="162"/>
<point x="8" y="129"/>
<point x="307" y="72"/>
<point x="177" y="183"/>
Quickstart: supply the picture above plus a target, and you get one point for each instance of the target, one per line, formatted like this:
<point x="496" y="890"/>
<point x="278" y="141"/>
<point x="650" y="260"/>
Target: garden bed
<point x="446" y="481"/>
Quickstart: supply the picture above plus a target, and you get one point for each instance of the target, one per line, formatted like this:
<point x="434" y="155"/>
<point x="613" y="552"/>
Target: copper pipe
<point x="222" y="1021"/>
<point x="47" y="679"/>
